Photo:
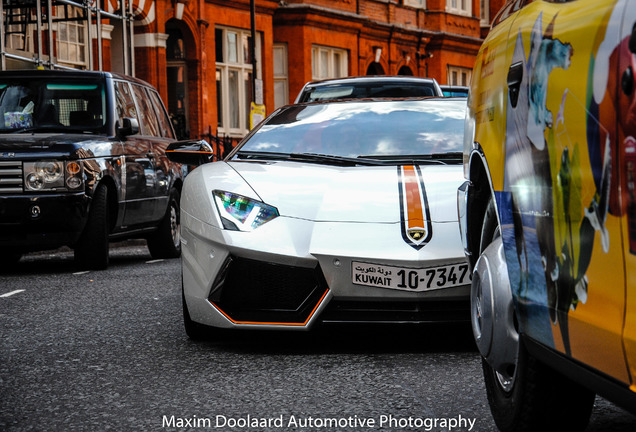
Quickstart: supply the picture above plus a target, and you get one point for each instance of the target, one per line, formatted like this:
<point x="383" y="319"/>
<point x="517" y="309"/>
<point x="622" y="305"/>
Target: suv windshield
<point x="367" y="129"/>
<point x="55" y="105"/>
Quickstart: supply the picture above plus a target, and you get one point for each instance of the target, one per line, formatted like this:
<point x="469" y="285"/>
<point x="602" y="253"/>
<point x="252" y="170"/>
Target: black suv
<point x="82" y="162"/>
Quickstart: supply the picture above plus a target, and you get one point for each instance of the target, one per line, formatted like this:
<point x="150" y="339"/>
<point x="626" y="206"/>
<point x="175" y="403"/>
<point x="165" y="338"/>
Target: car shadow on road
<point x="346" y="338"/>
<point x="61" y="260"/>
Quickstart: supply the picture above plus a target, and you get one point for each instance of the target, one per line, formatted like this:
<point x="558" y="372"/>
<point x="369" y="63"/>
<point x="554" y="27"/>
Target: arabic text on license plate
<point x="410" y="279"/>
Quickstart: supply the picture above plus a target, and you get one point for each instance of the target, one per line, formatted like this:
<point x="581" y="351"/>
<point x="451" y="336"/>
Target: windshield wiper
<point x="308" y="157"/>
<point x="243" y="154"/>
<point x="338" y="160"/>
<point x="433" y="158"/>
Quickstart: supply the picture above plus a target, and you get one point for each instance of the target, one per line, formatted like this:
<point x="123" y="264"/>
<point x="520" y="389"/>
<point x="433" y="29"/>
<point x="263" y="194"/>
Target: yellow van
<point x="548" y="211"/>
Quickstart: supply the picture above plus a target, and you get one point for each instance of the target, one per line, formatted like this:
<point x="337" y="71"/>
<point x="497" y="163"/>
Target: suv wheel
<point x="165" y="242"/>
<point x="91" y="251"/>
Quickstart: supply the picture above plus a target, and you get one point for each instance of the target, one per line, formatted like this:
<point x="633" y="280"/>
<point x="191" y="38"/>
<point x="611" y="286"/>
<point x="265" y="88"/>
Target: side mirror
<point x="129" y="126"/>
<point x="190" y="152"/>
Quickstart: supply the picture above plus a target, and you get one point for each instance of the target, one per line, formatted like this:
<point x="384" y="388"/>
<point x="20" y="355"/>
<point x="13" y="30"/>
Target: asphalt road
<point x="106" y="350"/>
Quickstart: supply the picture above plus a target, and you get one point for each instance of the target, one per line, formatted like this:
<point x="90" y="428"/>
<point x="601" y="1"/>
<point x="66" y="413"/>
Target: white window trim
<point x="282" y="78"/>
<point x="458" y="10"/>
<point x="484" y="12"/>
<point x="225" y="67"/>
<point x="13" y="41"/>
<point x="317" y="50"/>
<point x="421" y="4"/>
<point x="84" y="45"/>
<point x="459" y="70"/>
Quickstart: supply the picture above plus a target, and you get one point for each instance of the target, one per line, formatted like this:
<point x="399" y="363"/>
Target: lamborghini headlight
<point x="239" y="213"/>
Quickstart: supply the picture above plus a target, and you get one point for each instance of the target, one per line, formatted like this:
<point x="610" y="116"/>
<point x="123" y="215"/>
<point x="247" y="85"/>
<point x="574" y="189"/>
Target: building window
<point x="281" y="85"/>
<point x="17" y="31"/>
<point x="71" y="37"/>
<point x="460" y="7"/>
<point x="459" y="76"/>
<point x="177" y="73"/>
<point x="484" y="12"/>
<point x="328" y="62"/>
<point x="234" y="79"/>
<point x="415" y="3"/>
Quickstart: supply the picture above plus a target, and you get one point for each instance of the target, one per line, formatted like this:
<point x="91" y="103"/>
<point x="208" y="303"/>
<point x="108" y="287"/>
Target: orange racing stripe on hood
<point x="414" y="212"/>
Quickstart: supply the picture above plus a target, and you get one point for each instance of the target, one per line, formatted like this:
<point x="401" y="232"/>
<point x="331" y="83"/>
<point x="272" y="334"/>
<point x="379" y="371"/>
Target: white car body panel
<point x="328" y="215"/>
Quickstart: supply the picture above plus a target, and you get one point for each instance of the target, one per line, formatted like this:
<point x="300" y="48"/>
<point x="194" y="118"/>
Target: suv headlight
<point x="50" y="175"/>
<point x="239" y="213"/>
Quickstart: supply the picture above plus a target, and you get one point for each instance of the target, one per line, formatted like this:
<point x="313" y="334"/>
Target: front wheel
<point x="537" y="399"/>
<point x="525" y="395"/>
<point x="91" y="250"/>
<point x="165" y="242"/>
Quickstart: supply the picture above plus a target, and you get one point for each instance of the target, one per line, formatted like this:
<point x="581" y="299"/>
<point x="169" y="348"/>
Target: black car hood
<point x="28" y="145"/>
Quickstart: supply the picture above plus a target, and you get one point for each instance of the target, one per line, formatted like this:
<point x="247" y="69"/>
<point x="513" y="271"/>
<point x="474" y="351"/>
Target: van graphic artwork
<point x="550" y="206"/>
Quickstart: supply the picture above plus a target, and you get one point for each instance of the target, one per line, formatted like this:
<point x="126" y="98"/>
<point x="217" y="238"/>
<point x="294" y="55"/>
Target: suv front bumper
<point x="39" y="222"/>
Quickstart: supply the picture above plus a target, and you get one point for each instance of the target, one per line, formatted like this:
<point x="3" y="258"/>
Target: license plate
<point x="410" y="279"/>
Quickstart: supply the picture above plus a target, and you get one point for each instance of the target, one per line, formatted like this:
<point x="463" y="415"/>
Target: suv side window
<point x="162" y="116"/>
<point x="149" y="123"/>
<point x="125" y="102"/>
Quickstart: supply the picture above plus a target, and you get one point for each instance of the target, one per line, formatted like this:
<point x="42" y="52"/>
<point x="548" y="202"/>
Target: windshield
<point x="54" y="105"/>
<point x="381" y="129"/>
<point x="373" y="90"/>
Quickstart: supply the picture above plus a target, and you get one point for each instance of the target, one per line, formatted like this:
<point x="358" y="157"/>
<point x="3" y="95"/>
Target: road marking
<point x="154" y="261"/>
<point x="81" y="272"/>
<point x="11" y="293"/>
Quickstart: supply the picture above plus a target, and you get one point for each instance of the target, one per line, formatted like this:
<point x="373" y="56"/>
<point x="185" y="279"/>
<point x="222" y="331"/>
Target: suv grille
<point x="10" y="177"/>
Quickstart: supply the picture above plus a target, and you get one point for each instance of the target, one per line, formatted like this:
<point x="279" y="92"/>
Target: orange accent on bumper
<point x="275" y="323"/>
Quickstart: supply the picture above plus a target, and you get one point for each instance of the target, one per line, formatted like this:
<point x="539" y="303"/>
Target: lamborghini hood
<point x="371" y="194"/>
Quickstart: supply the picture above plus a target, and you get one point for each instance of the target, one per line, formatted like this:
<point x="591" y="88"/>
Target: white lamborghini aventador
<point x="328" y="212"/>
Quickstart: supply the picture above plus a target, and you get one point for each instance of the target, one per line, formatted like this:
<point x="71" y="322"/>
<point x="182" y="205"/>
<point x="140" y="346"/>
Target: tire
<point x="194" y="330"/>
<point x="165" y="242"/>
<point x="91" y="250"/>
<point x="533" y="396"/>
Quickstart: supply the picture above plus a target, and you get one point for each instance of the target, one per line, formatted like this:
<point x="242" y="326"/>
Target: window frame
<point x="459" y="70"/>
<point x="281" y="76"/>
<point x="419" y="4"/>
<point x="317" y="51"/>
<point x="80" y="28"/>
<point x="241" y="64"/>
<point x="459" y="9"/>
<point x="484" y="12"/>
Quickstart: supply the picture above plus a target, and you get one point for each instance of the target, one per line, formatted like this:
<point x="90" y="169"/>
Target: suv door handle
<point x="515" y="76"/>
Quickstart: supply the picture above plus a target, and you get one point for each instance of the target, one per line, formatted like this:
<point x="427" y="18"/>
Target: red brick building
<point x="197" y="52"/>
